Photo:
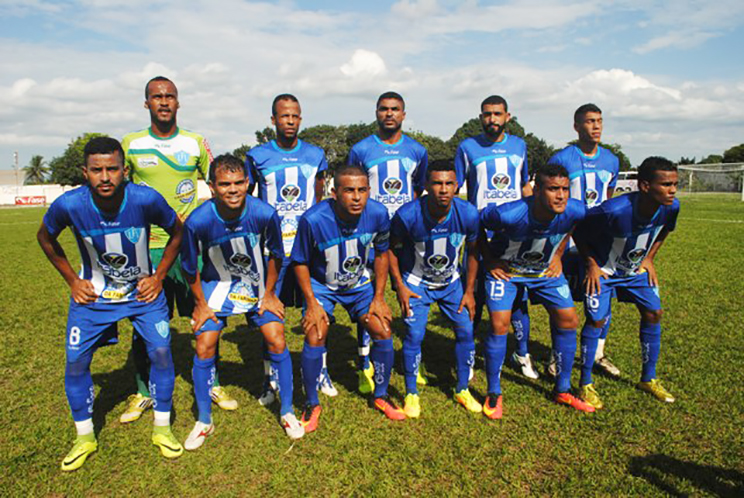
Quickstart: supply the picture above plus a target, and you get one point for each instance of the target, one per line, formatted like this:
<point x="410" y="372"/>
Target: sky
<point x="665" y="73"/>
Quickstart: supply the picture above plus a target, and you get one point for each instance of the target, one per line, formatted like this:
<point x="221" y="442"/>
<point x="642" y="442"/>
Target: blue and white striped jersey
<point x="114" y="249"/>
<point x="395" y="170"/>
<point x="286" y="180"/>
<point x="495" y="172"/>
<point x="618" y="239"/>
<point x="233" y="276"/>
<point x="590" y="176"/>
<point x="430" y="253"/>
<point x="527" y="244"/>
<point x="337" y="252"/>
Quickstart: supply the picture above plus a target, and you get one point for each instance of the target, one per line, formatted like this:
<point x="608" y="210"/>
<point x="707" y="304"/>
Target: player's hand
<point x="404" y="298"/>
<point x="201" y="314"/>
<point x="148" y="289"/>
<point x="592" y="280"/>
<point x="648" y="266"/>
<point x="272" y="304"/>
<point x="315" y="318"/>
<point x="500" y="270"/>
<point x="379" y="309"/>
<point x="555" y="268"/>
<point x="467" y="302"/>
<point x="83" y="291"/>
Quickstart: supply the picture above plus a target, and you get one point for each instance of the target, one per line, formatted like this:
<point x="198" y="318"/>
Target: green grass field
<point x="635" y="446"/>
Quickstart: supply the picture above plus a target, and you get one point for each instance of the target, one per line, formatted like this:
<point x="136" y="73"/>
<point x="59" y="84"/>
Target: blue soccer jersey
<point x="590" y="176"/>
<point x="494" y="172"/>
<point x="618" y="238"/>
<point x="286" y="180"/>
<point x="395" y="170"/>
<point x="233" y="276"/>
<point x="113" y="247"/>
<point x="527" y="244"/>
<point x="429" y="253"/>
<point x="337" y="252"/>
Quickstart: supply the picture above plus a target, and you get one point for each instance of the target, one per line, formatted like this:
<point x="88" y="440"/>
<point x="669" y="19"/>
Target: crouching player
<point x="230" y="232"/>
<point x="619" y="240"/>
<point x="528" y="233"/>
<point x="428" y="236"/>
<point x="111" y="220"/>
<point x="330" y="254"/>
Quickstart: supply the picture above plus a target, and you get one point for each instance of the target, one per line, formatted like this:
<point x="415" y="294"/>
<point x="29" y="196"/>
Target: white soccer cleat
<point x="526" y="366"/>
<point x="292" y="426"/>
<point x="552" y="367"/>
<point x="267" y="397"/>
<point x="222" y="399"/>
<point x="325" y="385"/>
<point x="198" y="435"/>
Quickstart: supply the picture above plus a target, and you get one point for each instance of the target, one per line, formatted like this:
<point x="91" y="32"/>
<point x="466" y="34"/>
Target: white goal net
<point x="722" y="177"/>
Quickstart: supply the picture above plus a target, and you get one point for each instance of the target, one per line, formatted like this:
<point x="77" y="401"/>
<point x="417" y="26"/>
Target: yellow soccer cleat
<point x="223" y="400"/>
<point x="84" y="446"/>
<point x="137" y="404"/>
<point x="412" y="406"/>
<point x="655" y="388"/>
<point x="468" y="401"/>
<point x="589" y="395"/>
<point x="163" y="438"/>
<point x="367" y="380"/>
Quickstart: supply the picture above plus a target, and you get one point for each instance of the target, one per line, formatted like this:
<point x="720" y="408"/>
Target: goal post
<point x="720" y="177"/>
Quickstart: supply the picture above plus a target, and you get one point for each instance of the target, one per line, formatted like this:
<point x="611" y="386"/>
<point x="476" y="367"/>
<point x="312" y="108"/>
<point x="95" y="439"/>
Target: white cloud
<point x="364" y="63"/>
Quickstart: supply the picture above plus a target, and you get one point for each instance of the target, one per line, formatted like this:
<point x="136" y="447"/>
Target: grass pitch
<point x="635" y="446"/>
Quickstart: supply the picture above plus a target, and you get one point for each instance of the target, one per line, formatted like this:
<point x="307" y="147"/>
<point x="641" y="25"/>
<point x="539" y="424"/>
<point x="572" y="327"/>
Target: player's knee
<point x="598" y="324"/>
<point x="500" y="324"/>
<point x="161" y="358"/>
<point x="205" y="351"/>
<point x="463" y="334"/>
<point x="275" y="342"/>
<point x="78" y="367"/>
<point x="565" y="318"/>
<point x="414" y="338"/>
<point x="651" y="316"/>
<point x="315" y="339"/>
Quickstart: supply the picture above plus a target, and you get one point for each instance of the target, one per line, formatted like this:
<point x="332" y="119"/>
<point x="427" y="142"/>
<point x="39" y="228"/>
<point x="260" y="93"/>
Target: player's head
<point x="103" y="166"/>
<point x="161" y="99"/>
<point x="390" y="112"/>
<point x="658" y="179"/>
<point x="351" y="190"/>
<point x="228" y="182"/>
<point x="494" y="115"/>
<point x="588" y="123"/>
<point x="441" y="182"/>
<point x="286" y="116"/>
<point x="551" y="188"/>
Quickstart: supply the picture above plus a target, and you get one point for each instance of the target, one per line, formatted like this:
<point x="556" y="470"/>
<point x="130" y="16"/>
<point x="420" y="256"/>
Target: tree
<point x="538" y="152"/>
<point x="686" y="160"/>
<point x="712" y="159"/>
<point x="734" y="154"/>
<point x="436" y="148"/>
<point x="332" y="139"/>
<point x="265" y="136"/>
<point x="36" y="171"/>
<point x="67" y="168"/>
<point x="241" y="151"/>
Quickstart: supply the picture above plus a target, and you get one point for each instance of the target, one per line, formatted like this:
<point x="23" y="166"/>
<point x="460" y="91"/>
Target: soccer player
<point x="170" y="160"/>
<point x="289" y="174"/>
<point x="527" y="234"/>
<point x="619" y="240"/>
<point x="396" y="164"/>
<point x="593" y="172"/>
<point x="230" y="233"/>
<point x="493" y="166"/>
<point x="111" y="220"/>
<point x="330" y="254"/>
<point x="428" y="236"/>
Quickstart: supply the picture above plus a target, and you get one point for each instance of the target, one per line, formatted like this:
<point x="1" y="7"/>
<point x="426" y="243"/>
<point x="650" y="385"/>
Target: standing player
<point x="334" y="240"/>
<point x="230" y="233"/>
<point x="170" y="160"/>
<point x="493" y="166"/>
<point x="429" y="236"/>
<point x="527" y="235"/>
<point x="593" y="172"/>
<point x="111" y="220"/>
<point x="619" y="240"/>
<point x="396" y="165"/>
<point x="289" y="174"/>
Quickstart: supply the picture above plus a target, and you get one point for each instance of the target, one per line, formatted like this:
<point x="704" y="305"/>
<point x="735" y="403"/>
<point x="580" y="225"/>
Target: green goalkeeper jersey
<point x="170" y="165"/>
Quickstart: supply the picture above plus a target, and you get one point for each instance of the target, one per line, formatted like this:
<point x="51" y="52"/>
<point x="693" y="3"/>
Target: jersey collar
<point x="427" y="216"/>
<point x="103" y="213"/>
<point x="229" y="222"/>
<point x="285" y="151"/>
<point x="149" y="130"/>
<point x="384" y="144"/>
<point x="591" y="158"/>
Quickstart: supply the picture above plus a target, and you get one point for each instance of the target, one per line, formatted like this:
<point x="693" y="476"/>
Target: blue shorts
<point x="287" y="289"/>
<point x="633" y="289"/>
<point x="448" y="298"/>
<point x="356" y="301"/>
<point x="550" y="292"/>
<point x="90" y="326"/>
<point x="252" y="317"/>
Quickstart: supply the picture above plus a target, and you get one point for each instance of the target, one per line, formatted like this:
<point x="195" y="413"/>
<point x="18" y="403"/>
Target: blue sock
<point x="520" y="321"/>
<point x="79" y="388"/>
<point x="564" y="350"/>
<point x="495" y="355"/>
<point x="411" y="363"/>
<point x="589" y="338"/>
<point x="464" y="356"/>
<point x="606" y="328"/>
<point x="203" y="374"/>
<point x="363" y="342"/>
<point x="311" y="365"/>
<point x="162" y="378"/>
<point x="282" y="364"/>
<point x="382" y="356"/>
<point x="650" y="348"/>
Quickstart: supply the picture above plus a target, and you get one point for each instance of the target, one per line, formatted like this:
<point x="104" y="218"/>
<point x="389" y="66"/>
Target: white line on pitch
<point x="713" y="219"/>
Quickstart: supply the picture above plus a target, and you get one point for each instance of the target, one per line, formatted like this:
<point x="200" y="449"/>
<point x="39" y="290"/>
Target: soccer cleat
<point x="589" y="395"/>
<point x="552" y="367"/>
<point x="267" y="397"/>
<point x="84" y="446"/>
<point x="223" y="400"/>
<point x="386" y="406"/>
<point x="468" y="401"/>
<point x="421" y="376"/>
<point x="310" y="418"/>
<point x="412" y="406"/>
<point x="655" y="388"/>
<point x="198" y="435"/>
<point x="135" y="406"/>
<point x="525" y="364"/>
<point x="325" y="385"/>
<point x="493" y="407"/>
<point x="572" y="401"/>
<point x="292" y="426"/>
<point x="607" y="366"/>
<point x="367" y="380"/>
<point x="163" y="438"/>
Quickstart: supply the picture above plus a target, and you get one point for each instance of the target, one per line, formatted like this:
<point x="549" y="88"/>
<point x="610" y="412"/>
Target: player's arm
<point x="555" y="268"/>
<point x="491" y="219"/>
<point x="315" y="316"/>
<point x="202" y="312"/>
<point x="270" y="300"/>
<point x="149" y="288"/>
<point x="251" y="171"/>
<point x="378" y="308"/>
<point x="404" y="293"/>
<point x="526" y="187"/>
<point x="468" y="297"/>
<point x="647" y="265"/>
<point x="83" y="291"/>
<point x="319" y="187"/>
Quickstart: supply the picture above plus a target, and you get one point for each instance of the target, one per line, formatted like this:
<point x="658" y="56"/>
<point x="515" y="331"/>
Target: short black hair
<point x="391" y="95"/>
<point x="439" y="165"/>
<point x="227" y="162"/>
<point x="157" y="78"/>
<point x="583" y="109"/>
<point x="102" y="145"/>
<point x="550" y="171"/>
<point x="282" y="96"/>
<point x="349" y="169"/>
<point x="648" y="168"/>
<point x="495" y="100"/>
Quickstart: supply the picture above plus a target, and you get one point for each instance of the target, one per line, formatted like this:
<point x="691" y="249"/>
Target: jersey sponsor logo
<point x="182" y="157"/>
<point x="500" y="181"/>
<point x="147" y="162"/>
<point x="456" y="239"/>
<point x="591" y="196"/>
<point x="116" y="291"/>
<point x="351" y="264"/>
<point x="242" y="260"/>
<point x="163" y="328"/>
<point x="392" y="199"/>
<point x="289" y="228"/>
<point x="438" y="261"/>
<point x="114" y="265"/>
<point x="392" y="185"/>
<point x="185" y="191"/>
<point x="290" y="192"/>
<point x="242" y="296"/>
<point x="636" y="255"/>
<point x="532" y="256"/>
<point x="240" y="265"/>
<point x="133" y="234"/>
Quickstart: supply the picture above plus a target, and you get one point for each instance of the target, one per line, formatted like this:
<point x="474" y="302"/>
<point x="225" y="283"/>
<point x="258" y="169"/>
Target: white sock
<point x="85" y="427"/>
<point x="162" y="419"/>
<point x="600" y="349"/>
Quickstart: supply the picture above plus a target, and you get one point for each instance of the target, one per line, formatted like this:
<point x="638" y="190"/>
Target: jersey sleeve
<point x="274" y="236"/>
<point x="614" y="172"/>
<point x="671" y="222"/>
<point x="461" y="165"/>
<point x="354" y="158"/>
<point x="382" y="240"/>
<point x="57" y="217"/>
<point x="158" y="211"/>
<point x="205" y="158"/>
<point x="250" y="168"/>
<point x="556" y="159"/>
<point x="525" y="168"/>
<point x="490" y="217"/>
<point x="473" y="225"/>
<point x="323" y="166"/>
<point x="419" y="176"/>
<point x="303" y="244"/>
<point x="189" y="249"/>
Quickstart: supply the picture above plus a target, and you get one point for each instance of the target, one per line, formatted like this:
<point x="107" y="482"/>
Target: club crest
<point x="182" y="157"/>
<point x="133" y="234"/>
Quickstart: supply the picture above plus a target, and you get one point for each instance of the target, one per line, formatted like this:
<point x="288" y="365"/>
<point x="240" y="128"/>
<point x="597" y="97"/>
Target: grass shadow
<point x="666" y="472"/>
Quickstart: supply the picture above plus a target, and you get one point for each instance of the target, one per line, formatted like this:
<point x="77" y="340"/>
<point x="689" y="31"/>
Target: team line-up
<point x="148" y="249"/>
